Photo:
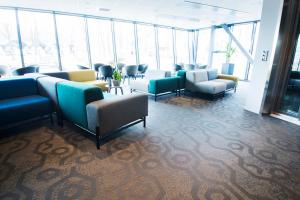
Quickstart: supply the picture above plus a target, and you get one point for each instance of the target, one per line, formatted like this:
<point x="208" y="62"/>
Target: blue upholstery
<point x="18" y="87"/>
<point x="22" y="108"/>
<point x="212" y="74"/>
<point x="19" y="100"/>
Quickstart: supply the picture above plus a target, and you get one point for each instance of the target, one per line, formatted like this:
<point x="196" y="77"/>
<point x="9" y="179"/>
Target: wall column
<point x="264" y="56"/>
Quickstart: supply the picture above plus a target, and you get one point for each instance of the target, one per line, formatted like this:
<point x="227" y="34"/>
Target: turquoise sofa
<point x="157" y="83"/>
<point x="87" y="107"/>
<point x="20" y="100"/>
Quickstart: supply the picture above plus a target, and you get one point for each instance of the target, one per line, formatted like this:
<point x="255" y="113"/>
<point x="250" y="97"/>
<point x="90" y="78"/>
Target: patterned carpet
<point x="191" y="149"/>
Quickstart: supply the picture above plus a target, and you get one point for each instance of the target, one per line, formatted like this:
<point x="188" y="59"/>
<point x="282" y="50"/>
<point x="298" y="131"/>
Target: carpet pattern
<point x="191" y="149"/>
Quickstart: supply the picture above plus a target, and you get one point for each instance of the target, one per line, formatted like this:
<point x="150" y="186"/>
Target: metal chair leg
<point x="98" y="137"/>
<point x="144" y="122"/>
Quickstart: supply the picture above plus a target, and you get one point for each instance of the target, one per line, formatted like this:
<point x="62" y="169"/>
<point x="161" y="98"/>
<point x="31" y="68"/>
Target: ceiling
<point x="178" y="13"/>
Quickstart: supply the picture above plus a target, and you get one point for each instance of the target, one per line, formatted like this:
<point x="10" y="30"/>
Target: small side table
<point x="116" y="89"/>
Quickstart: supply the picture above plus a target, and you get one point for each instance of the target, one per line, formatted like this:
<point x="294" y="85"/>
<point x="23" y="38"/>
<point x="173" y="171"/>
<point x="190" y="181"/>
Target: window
<point x="296" y="63"/>
<point x="100" y="37"/>
<point x="165" y="43"/>
<point x="125" y="43"/>
<point x="146" y="42"/>
<point x="243" y="33"/>
<point x="203" y="46"/>
<point x="9" y="46"/>
<point x="182" y="47"/>
<point x="72" y="41"/>
<point x="38" y="39"/>
<point x="221" y="41"/>
<point x="254" y="48"/>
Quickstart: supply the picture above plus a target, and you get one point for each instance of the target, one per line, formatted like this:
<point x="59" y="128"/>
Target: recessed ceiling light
<point x="104" y="9"/>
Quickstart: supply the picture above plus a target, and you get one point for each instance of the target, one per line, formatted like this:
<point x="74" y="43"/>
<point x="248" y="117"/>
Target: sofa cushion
<point x="22" y="108"/>
<point x="197" y="76"/>
<point x="73" y="98"/>
<point x="140" y="85"/>
<point x="82" y="75"/>
<point x="101" y="84"/>
<point x="212" y="74"/>
<point x="168" y="84"/>
<point x="229" y="83"/>
<point x="17" y="87"/>
<point x="210" y="87"/>
<point x="62" y="75"/>
<point x="47" y="87"/>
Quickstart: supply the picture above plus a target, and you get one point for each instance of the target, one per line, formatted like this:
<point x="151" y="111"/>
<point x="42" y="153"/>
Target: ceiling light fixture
<point x="104" y="9"/>
<point x="214" y="6"/>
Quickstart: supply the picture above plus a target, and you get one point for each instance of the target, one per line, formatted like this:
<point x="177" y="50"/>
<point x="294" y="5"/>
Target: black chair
<point x="106" y="71"/>
<point x="82" y="67"/>
<point x="177" y="67"/>
<point x="142" y="68"/>
<point x="96" y="68"/>
<point x="190" y="67"/>
<point x="26" y="70"/>
<point x="130" y="72"/>
<point x="120" y="66"/>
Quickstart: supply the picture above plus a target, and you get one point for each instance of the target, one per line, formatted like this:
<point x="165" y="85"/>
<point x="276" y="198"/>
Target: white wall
<point x="267" y="39"/>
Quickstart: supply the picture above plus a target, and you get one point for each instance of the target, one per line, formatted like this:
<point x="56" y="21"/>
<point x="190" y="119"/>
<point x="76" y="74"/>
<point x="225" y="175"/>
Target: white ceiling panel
<point x="178" y="13"/>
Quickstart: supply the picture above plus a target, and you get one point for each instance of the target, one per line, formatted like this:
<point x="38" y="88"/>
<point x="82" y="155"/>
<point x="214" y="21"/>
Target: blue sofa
<point x="21" y="101"/>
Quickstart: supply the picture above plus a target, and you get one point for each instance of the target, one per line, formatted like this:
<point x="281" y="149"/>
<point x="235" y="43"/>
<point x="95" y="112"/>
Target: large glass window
<point x="243" y="33"/>
<point x="9" y="46"/>
<point x="254" y="48"/>
<point x="182" y="47"/>
<point x="100" y="37"/>
<point x="38" y="39"/>
<point x="146" y="41"/>
<point x="125" y="43"/>
<point x="165" y="43"/>
<point x="203" y="46"/>
<point x="221" y="41"/>
<point x="72" y="41"/>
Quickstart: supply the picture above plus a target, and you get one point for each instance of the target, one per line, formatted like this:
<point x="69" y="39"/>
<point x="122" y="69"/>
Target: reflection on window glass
<point x="203" y="46"/>
<point x="146" y="41"/>
<point x="296" y="63"/>
<point x="125" y="44"/>
<point x="100" y="41"/>
<point x="220" y="43"/>
<point x="38" y="39"/>
<point x="218" y="60"/>
<point x="182" y="47"/>
<point x="165" y="43"/>
<point x="72" y="41"/>
<point x="9" y="46"/>
<point x="256" y="37"/>
<point x="243" y="34"/>
<point x="221" y="40"/>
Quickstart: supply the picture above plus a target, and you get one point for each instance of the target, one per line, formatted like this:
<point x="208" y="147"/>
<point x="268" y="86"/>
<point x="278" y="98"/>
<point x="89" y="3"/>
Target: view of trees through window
<point x="49" y="40"/>
<point x="9" y="46"/>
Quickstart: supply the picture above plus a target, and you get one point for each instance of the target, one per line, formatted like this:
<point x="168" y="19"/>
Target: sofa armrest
<point x="113" y="113"/>
<point x="162" y="85"/>
<point x="228" y="77"/>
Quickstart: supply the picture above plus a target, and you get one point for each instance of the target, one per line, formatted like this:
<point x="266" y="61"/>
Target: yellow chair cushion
<point x="100" y="84"/>
<point x="82" y="75"/>
<point x="229" y="77"/>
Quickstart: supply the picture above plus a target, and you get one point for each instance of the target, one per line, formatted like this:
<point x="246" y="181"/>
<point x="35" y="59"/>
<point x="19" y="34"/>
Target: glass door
<point x="291" y="99"/>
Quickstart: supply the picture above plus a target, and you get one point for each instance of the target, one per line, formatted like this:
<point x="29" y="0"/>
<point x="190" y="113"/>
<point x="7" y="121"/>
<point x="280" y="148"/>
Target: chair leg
<point x="144" y="122"/>
<point x="155" y="97"/>
<point x="98" y="137"/>
<point x="51" y="118"/>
